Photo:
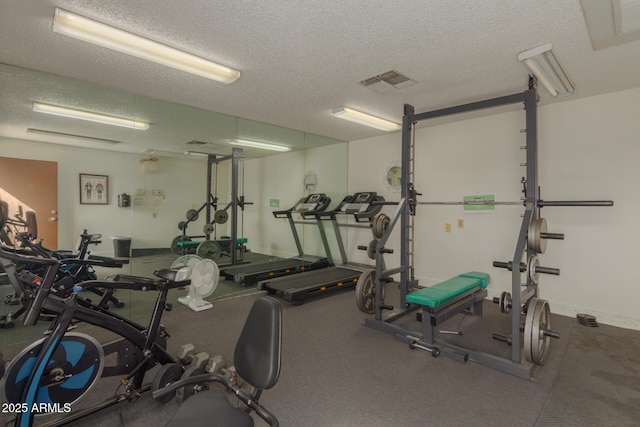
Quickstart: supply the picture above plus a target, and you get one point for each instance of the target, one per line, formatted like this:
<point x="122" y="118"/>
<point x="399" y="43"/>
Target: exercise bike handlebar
<point x="131" y="283"/>
<point x="14" y="256"/>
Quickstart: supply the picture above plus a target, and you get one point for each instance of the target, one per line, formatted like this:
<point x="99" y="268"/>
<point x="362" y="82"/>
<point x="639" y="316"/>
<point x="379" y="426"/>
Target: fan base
<point x="186" y="300"/>
<point x="199" y="305"/>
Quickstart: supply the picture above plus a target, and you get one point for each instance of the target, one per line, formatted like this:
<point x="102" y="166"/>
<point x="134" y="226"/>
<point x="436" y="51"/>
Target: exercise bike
<point x="78" y="265"/>
<point x="55" y="372"/>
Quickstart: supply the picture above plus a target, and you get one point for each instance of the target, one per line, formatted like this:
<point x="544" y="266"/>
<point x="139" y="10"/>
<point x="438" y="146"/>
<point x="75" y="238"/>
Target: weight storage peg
<point x="504" y="301"/>
<point x="371" y="249"/>
<point x="532" y="267"/>
<point x="537" y="235"/>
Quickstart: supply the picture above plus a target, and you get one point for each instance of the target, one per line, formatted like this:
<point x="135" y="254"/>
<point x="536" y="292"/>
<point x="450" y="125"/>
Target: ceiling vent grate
<point x="387" y="81"/>
<point x="196" y="143"/>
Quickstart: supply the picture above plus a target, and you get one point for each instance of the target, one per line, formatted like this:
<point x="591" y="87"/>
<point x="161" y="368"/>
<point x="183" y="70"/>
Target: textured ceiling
<point x="301" y="59"/>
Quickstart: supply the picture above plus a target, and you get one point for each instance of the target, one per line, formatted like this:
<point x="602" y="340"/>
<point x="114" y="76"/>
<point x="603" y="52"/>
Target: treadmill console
<point x="316" y="202"/>
<point x="359" y="202"/>
<point x="360" y="205"/>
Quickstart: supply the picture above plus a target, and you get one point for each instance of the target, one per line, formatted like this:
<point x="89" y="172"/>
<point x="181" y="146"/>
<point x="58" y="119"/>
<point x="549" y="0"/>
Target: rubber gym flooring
<point x="336" y="372"/>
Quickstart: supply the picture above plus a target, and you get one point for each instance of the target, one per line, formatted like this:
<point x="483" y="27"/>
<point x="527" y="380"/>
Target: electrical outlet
<point x="447" y="228"/>
<point x="461" y="223"/>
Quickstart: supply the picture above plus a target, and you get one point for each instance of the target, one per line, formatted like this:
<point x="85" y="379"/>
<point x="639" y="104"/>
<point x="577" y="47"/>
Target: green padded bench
<point x="442" y="292"/>
<point x="446" y="299"/>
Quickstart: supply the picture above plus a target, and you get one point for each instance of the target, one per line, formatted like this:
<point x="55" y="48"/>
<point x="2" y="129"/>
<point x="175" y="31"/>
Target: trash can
<point x="121" y="246"/>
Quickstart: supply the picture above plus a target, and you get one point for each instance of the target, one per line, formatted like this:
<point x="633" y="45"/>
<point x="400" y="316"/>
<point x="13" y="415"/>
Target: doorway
<point x="33" y="184"/>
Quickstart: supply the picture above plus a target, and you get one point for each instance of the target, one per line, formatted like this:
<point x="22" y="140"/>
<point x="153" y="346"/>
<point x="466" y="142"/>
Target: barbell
<point x="540" y="203"/>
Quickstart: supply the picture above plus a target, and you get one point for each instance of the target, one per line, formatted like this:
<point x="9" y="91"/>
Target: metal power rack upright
<point x="522" y="294"/>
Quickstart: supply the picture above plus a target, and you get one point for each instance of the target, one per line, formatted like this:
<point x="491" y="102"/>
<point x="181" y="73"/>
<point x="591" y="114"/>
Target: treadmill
<point x="252" y="273"/>
<point x="296" y="289"/>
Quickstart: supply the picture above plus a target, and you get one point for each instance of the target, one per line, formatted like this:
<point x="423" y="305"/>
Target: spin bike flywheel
<point x="72" y="371"/>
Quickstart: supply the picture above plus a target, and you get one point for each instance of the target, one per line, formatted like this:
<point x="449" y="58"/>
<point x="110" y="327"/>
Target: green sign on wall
<point x="479" y="202"/>
<point x="274" y="203"/>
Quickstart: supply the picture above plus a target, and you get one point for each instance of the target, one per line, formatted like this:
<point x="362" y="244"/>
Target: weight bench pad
<point x="442" y="292"/>
<point x="187" y="244"/>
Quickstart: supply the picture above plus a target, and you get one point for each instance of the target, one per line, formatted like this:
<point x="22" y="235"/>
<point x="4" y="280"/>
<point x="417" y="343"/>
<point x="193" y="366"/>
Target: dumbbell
<point x="186" y="353"/>
<point x="188" y="356"/>
<point x="215" y="364"/>
<point x="200" y="360"/>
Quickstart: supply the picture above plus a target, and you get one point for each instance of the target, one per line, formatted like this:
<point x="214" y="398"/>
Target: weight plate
<point x="192" y="215"/>
<point x="167" y="374"/>
<point x="534" y="233"/>
<point x="371" y="249"/>
<point x="532" y="264"/>
<point x="538" y="320"/>
<point x="209" y="249"/>
<point x="220" y="217"/>
<point x="380" y="224"/>
<point x="505" y="302"/>
<point x="207" y="229"/>
<point x="181" y="225"/>
<point x="365" y="292"/>
<point x="174" y="243"/>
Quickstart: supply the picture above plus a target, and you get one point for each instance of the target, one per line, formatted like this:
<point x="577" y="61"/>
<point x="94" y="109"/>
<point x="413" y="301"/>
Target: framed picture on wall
<point x="94" y="189"/>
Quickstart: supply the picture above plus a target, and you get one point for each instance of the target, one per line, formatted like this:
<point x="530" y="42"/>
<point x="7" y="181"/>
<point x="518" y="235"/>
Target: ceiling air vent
<point x="386" y="82"/>
<point x="196" y="143"/>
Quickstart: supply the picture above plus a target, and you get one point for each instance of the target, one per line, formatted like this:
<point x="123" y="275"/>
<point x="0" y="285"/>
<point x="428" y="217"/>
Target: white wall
<point x="588" y="149"/>
<point x="182" y="180"/>
<point x="281" y="177"/>
<point x="278" y="177"/>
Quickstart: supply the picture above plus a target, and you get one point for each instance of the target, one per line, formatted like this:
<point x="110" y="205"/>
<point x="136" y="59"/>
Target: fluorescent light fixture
<point x="79" y="27"/>
<point x="261" y="145"/>
<point x="545" y="66"/>
<point x="49" y="133"/>
<point x="86" y="115"/>
<point x="364" y="119"/>
<point x="196" y="153"/>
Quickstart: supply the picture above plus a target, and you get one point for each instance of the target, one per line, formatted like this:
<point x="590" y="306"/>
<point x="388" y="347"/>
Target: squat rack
<point x="521" y="294"/>
<point x="212" y="248"/>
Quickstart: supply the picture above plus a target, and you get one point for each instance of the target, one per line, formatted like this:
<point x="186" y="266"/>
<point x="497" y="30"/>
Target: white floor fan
<point x="204" y="281"/>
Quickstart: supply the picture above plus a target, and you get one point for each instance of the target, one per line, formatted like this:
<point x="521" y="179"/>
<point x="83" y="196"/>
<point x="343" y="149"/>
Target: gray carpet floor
<point x="336" y="372"/>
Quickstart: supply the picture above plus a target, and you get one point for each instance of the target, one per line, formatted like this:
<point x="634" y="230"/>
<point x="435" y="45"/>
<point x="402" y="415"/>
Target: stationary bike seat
<point x="168" y="274"/>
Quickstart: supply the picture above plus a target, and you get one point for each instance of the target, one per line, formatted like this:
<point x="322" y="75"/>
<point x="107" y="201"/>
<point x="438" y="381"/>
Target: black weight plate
<point x="192" y="215"/>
